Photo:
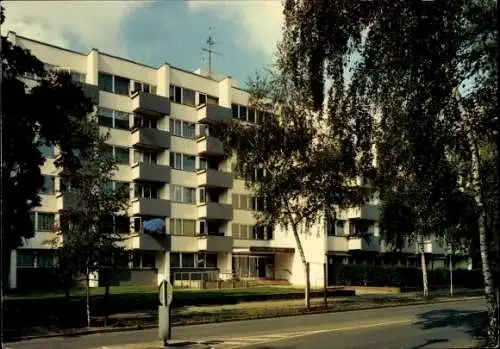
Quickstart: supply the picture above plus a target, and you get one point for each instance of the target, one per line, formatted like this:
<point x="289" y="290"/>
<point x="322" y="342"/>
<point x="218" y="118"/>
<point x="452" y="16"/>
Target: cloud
<point x="260" y="21"/>
<point x="72" y="23"/>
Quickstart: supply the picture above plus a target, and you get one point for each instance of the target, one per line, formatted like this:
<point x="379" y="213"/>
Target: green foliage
<point x="425" y="74"/>
<point x="87" y="229"/>
<point x="49" y="113"/>
<point x="307" y="171"/>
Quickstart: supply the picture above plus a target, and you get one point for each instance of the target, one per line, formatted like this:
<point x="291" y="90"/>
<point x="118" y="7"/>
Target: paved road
<point x="413" y="327"/>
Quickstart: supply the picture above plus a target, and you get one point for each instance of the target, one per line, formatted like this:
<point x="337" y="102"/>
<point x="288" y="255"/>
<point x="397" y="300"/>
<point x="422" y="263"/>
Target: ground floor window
<point x="36" y="258"/>
<point x="253" y="266"/>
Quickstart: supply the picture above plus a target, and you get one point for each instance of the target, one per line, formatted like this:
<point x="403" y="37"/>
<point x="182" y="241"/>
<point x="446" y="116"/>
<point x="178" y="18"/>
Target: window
<point x="144" y="122"/>
<point x="182" y="227"/>
<point x="242" y="115"/>
<point x="48" y="185"/>
<point x="121" y="120"/>
<point x="148" y="260"/>
<point x="244" y="202"/>
<point x="203" y="164"/>
<point x="182" y="128"/>
<point x="236" y="201"/>
<point x="105" y="82"/>
<point x="188" y="97"/>
<point x="251" y="115"/>
<point x="64" y="185"/>
<point x="113" y="119"/>
<point x="182" y="194"/>
<point x="202" y="195"/>
<point x="257" y="204"/>
<point x="105" y="117"/>
<point x="122" y="155"/>
<point x="146" y="190"/>
<point x="175" y="260"/>
<point x="141" y="86"/>
<point x="46" y="150"/>
<point x="175" y="94"/>
<point x="187" y="260"/>
<point x="182" y="161"/>
<point x="122" y="85"/>
<point x="147" y="157"/>
<point x="234" y="108"/>
<point x="207" y="260"/>
<point x="202" y="98"/>
<point x="45" y="259"/>
<point x="25" y="258"/>
<point x="45" y="221"/>
<point x="77" y="77"/>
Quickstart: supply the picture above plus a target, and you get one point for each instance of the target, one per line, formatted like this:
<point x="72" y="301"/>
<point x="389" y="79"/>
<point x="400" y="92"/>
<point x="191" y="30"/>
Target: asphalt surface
<point x="442" y="325"/>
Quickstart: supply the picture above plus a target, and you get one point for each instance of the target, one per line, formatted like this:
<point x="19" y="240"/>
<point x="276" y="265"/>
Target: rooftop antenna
<point x="211" y="43"/>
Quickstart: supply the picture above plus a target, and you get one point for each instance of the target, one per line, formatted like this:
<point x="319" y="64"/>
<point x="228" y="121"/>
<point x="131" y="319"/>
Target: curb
<point x="243" y="318"/>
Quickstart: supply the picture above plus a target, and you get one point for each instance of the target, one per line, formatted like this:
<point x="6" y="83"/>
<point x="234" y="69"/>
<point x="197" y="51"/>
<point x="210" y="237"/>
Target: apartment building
<point x="159" y="119"/>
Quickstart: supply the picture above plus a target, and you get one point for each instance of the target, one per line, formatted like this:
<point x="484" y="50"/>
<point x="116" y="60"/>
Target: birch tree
<point x="411" y="59"/>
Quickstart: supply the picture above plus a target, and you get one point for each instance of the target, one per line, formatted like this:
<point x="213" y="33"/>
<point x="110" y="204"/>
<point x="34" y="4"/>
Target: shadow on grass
<point x="474" y="323"/>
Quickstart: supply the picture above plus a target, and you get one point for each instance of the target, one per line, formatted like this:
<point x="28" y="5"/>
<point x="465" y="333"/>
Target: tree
<point x="45" y="114"/>
<point x="426" y="71"/>
<point x="90" y="237"/>
<point x="300" y="173"/>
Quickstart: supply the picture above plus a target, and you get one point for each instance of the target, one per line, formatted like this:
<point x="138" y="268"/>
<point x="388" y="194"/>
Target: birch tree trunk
<point x="489" y="286"/>
<point x="304" y="263"/>
<point x="424" y="269"/>
<point x="87" y="291"/>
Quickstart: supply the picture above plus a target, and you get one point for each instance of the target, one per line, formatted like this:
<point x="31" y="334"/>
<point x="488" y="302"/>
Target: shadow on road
<point x="431" y="341"/>
<point x="473" y="323"/>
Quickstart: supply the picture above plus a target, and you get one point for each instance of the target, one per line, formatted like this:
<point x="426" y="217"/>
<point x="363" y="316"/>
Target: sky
<point x="156" y="32"/>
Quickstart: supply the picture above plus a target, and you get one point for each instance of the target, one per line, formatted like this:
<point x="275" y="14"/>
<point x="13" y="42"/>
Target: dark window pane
<point x="189" y="97"/>
<point x="105" y="117"/>
<point x="175" y="260"/>
<point x="202" y="99"/>
<point x="122" y="155"/>
<point x="121" y="120"/>
<point x="243" y="113"/>
<point x="122" y="85"/>
<point x="46" y="150"/>
<point x="48" y="185"/>
<point x="234" y="108"/>
<point x="45" y="259"/>
<point x="45" y="221"/>
<point x="189" y="163"/>
<point x="25" y="258"/>
<point x="105" y="82"/>
<point x="178" y="95"/>
<point x="136" y="259"/>
<point x="251" y="115"/>
<point x="172" y="93"/>
<point x="148" y="260"/>
<point x="188" y="260"/>
<point x="211" y="260"/>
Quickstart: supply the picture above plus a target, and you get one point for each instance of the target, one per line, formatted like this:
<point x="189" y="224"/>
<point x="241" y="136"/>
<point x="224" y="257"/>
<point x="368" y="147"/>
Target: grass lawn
<point x="153" y="290"/>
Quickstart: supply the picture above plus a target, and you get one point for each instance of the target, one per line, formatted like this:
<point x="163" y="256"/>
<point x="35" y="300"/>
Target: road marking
<point x="303" y="334"/>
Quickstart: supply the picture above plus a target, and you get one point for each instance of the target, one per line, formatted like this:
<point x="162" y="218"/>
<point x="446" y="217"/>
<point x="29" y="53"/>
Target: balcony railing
<point x="151" y="172"/>
<point x="209" y="113"/>
<point x="152" y="138"/>
<point x="215" y="210"/>
<point x="154" y="105"/>
<point x="214" y="178"/>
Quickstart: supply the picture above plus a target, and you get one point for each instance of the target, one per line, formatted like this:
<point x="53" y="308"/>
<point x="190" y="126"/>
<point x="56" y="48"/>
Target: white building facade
<point x="158" y="119"/>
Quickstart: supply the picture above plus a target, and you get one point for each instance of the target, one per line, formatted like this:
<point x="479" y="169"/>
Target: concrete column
<point x="13" y="269"/>
<point x="163" y="81"/>
<point x="225" y="93"/>
<point x="92" y="76"/>
<point x="163" y="266"/>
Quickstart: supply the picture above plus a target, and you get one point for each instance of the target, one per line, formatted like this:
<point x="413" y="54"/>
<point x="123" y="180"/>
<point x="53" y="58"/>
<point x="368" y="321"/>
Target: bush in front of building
<point x="403" y="277"/>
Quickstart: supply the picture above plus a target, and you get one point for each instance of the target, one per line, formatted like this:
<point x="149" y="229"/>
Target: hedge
<point x="403" y="277"/>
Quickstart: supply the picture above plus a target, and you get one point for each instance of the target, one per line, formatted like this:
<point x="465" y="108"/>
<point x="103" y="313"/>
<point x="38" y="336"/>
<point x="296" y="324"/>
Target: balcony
<point x="214" y="178"/>
<point x="151" y="138"/>
<point x="338" y="243"/>
<point x="361" y="244"/>
<point x="215" y="210"/>
<point x="150" y="207"/>
<point x="149" y="242"/>
<point x="154" y="105"/>
<point x="91" y="92"/>
<point x="366" y="211"/>
<point x="214" y="243"/>
<point x="209" y="113"/>
<point x="209" y="146"/>
<point x="66" y="200"/>
<point x="151" y="172"/>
